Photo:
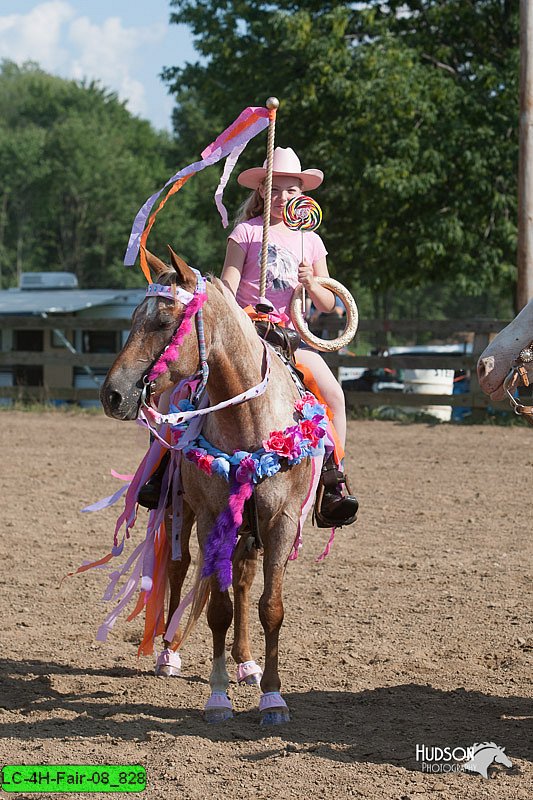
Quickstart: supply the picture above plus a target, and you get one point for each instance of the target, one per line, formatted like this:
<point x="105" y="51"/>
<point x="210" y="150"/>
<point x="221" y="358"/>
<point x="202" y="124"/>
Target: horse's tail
<point x="201" y="590"/>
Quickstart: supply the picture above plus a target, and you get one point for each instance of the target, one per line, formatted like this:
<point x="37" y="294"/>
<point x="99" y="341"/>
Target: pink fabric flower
<point x="306" y="398"/>
<point x="277" y="443"/>
<point x="245" y="470"/>
<point x="293" y="439"/>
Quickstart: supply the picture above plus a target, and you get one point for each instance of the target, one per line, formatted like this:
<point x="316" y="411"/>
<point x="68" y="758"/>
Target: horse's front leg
<point x="219" y="616"/>
<point x="244" y="569"/>
<point x="169" y="661"/>
<point x="272" y="706"/>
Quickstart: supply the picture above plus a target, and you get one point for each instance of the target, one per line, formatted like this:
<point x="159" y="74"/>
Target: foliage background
<point x="411" y="110"/>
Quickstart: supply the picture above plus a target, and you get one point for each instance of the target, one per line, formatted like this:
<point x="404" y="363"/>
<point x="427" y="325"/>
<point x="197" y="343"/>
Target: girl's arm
<point x="233" y="264"/>
<point x="323" y="299"/>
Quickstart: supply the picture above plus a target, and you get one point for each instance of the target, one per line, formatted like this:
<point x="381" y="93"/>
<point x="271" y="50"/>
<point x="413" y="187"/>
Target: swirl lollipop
<point x="302" y="214"/>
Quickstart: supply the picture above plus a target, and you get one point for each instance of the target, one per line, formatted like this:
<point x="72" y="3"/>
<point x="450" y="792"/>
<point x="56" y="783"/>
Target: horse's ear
<point x="156" y="265"/>
<point x="186" y="276"/>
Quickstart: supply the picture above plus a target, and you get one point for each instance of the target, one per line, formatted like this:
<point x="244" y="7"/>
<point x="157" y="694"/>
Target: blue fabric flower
<point x="220" y="466"/>
<point x="267" y="465"/>
<point x="238" y="456"/>
<point x="311" y="410"/>
<point x="183" y="405"/>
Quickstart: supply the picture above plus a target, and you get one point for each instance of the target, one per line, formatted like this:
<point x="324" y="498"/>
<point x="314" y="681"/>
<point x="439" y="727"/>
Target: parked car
<point x="419" y="381"/>
<point x="375" y="380"/>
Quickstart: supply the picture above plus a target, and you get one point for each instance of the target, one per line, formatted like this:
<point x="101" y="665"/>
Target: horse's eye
<point x="167" y="321"/>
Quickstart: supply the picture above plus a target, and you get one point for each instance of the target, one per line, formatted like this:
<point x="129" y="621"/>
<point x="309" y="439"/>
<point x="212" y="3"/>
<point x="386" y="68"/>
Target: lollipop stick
<point x="303" y="289"/>
<point x="302" y="213"/>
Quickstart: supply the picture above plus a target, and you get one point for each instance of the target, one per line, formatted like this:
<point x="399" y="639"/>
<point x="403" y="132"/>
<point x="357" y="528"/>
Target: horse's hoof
<point x="253" y="680"/>
<point x="218" y="708"/>
<point x="250" y="673"/>
<point x="273" y="709"/>
<point x="167" y="672"/>
<point x="168" y="664"/>
<point x="275" y="716"/>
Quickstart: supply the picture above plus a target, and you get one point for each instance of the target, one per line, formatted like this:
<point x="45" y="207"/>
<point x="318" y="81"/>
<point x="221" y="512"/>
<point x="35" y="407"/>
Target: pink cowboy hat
<point x="285" y="162"/>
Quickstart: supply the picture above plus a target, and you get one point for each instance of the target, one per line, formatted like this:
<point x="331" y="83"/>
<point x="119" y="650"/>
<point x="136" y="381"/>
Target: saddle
<point x="286" y="340"/>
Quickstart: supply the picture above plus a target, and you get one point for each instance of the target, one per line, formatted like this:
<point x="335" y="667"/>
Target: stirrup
<point x="333" y="508"/>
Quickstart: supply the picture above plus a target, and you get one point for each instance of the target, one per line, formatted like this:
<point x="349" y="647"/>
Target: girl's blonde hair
<point x="252" y="207"/>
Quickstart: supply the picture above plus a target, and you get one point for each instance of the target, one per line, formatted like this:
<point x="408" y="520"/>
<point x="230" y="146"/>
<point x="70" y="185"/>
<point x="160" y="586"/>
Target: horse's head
<point x="497" y="359"/>
<point x="484" y="755"/>
<point x="501" y="757"/>
<point x="155" y="323"/>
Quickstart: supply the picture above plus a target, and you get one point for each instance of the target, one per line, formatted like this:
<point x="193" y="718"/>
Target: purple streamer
<point x="211" y="155"/>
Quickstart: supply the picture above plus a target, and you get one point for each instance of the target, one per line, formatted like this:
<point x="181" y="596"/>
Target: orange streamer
<point x="173" y="189"/>
<point x="154" y="619"/>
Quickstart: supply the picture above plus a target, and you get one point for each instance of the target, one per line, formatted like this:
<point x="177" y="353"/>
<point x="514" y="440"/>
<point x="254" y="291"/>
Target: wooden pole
<point x="525" y="160"/>
<point x="272" y="104"/>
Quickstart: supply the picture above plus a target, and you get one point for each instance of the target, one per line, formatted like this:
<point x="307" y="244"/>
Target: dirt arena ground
<point x="416" y="630"/>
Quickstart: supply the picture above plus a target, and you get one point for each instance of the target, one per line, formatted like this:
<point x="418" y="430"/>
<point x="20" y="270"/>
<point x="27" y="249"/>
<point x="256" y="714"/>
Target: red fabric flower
<point x="309" y="431"/>
<point x="204" y="462"/>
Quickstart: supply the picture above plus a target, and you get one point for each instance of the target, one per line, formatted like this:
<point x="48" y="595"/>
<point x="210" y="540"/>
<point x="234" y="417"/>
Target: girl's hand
<point x="306" y="275"/>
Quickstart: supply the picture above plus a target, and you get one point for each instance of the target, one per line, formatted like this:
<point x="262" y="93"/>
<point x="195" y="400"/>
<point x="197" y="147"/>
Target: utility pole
<point x="525" y="159"/>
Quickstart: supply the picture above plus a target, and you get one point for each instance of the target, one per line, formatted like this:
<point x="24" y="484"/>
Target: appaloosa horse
<point x="237" y="359"/>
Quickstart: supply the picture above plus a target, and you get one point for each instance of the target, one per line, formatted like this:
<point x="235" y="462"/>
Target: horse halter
<point x="518" y="372"/>
<point x="186" y="298"/>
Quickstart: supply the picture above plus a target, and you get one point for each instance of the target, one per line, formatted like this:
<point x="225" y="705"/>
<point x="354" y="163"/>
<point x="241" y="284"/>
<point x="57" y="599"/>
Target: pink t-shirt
<point x="284" y="256"/>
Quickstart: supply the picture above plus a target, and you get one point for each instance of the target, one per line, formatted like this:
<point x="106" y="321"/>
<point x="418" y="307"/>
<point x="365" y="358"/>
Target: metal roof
<point x="65" y="301"/>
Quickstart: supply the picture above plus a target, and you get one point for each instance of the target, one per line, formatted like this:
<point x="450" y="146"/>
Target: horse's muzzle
<point x="120" y="403"/>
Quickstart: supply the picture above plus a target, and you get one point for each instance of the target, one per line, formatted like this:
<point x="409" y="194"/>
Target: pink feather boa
<point x="171" y="353"/>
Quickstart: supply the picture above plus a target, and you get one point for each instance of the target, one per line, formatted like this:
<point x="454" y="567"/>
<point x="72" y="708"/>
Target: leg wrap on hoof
<point x="273" y="709"/>
<point x="249" y="672"/>
<point x="168" y="664"/>
<point x="218" y="708"/>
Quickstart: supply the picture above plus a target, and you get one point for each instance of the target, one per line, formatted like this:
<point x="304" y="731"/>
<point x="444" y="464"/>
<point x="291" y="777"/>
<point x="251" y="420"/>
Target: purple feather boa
<point x="222" y="539"/>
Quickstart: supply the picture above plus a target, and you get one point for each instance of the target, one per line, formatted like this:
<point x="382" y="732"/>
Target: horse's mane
<point x="242" y="317"/>
<point x="483" y="745"/>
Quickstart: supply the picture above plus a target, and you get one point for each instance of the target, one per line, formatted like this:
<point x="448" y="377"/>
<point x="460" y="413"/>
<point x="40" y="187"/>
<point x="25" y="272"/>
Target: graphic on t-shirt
<point x="282" y="268"/>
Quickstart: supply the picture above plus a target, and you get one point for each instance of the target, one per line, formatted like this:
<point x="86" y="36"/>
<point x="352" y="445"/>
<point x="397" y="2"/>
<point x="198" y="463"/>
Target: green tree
<point x="410" y="109"/>
<point x="76" y="166"/>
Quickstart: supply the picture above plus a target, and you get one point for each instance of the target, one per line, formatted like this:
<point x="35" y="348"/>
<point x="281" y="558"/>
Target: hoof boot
<point x="273" y="709"/>
<point x="218" y="708"/>
<point x="168" y="664"/>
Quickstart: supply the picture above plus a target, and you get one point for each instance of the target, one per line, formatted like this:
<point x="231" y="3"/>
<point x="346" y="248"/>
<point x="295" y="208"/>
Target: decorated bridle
<point x="517" y="374"/>
<point x="193" y="308"/>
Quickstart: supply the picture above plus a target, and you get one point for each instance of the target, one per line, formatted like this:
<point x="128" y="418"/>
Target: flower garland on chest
<point x="293" y="444"/>
<point x="243" y="469"/>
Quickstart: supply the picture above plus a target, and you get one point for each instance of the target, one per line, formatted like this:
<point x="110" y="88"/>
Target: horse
<point x="484" y="755"/>
<point x="499" y="356"/>
<point x="235" y="358"/>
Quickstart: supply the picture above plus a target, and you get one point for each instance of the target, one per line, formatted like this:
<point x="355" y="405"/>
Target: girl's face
<point x="284" y="188"/>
